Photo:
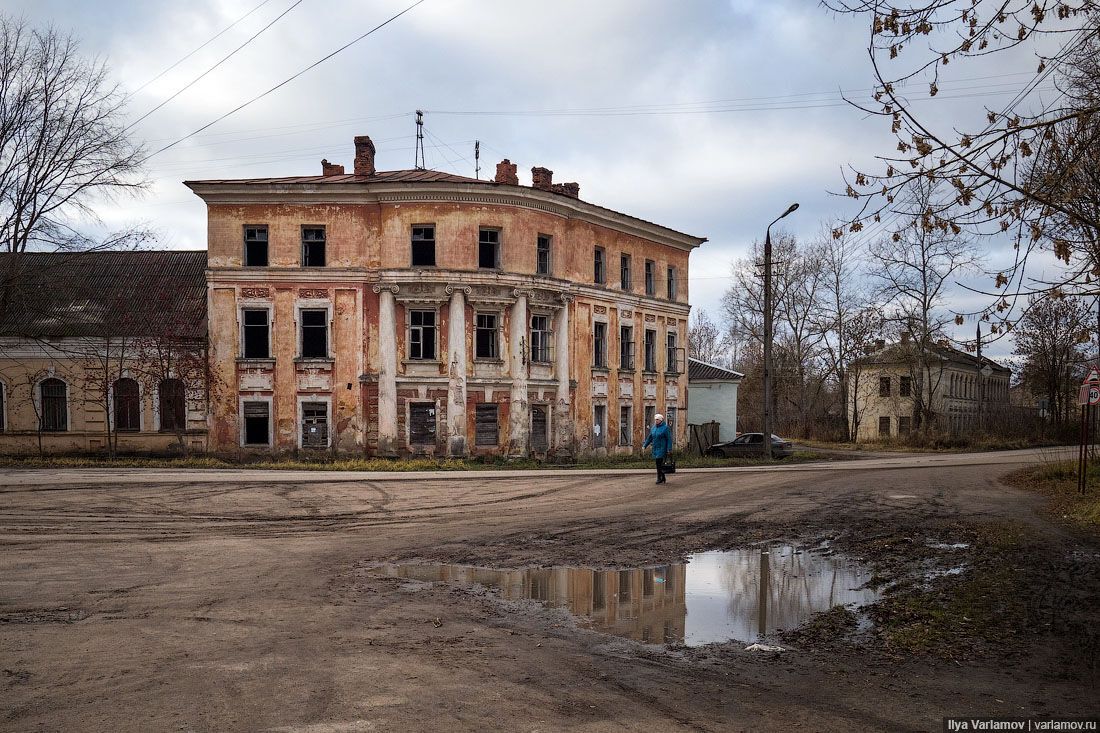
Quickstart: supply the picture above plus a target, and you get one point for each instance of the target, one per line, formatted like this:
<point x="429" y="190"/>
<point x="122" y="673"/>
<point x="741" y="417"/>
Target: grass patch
<point x="1057" y="480"/>
<point x="939" y="443"/>
<point x="383" y="464"/>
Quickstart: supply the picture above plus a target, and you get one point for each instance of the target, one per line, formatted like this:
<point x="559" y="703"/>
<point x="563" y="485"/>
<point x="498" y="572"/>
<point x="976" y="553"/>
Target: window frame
<point x="161" y="426"/>
<point x="885" y="418"/>
<point x="429" y="404"/>
<point x="479" y="329"/>
<point x="885" y="386"/>
<point x="626" y="347"/>
<point x="243" y="436"/>
<point x="651" y="278"/>
<point x="413" y="241"/>
<point x="410" y="326"/>
<point x="117" y="405"/>
<point x="479" y="408"/>
<point x="540" y="250"/>
<point x="672" y="347"/>
<point x="245" y="260"/>
<point x="626" y="274"/>
<point x="496" y="247"/>
<point x="626" y="437"/>
<point x="40" y="395"/>
<point x="323" y="241"/>
<point x="327" y="326"/>
<point x="599" y="266"/>
<point x="672" y="282"/>
<point x="649" y="350"/>
<point x="267" y="309"/>
<point x="649" y="413"/>
<point x="541" y="351"/>
<point x="599" y="345"/>
<point x="905" y="386"/>
<point x="599" y="440"/>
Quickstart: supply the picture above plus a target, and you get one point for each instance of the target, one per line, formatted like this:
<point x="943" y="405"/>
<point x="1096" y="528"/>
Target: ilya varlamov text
<point x="1021" y="724"/>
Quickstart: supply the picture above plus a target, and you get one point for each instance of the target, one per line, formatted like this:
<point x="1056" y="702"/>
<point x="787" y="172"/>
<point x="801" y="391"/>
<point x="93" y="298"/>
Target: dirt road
<point x="210" y="601"/>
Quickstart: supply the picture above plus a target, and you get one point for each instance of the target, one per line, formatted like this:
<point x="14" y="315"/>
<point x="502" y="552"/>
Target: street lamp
<point x="768" y="333"/>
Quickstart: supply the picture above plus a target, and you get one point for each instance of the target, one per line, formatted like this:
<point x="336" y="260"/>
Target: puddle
<point x="949" y="545"/>
<point x="743" y="595"/>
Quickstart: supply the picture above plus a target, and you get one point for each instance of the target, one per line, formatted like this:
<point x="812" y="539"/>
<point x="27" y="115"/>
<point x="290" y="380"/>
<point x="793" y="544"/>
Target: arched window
<point x="173" y="414"/>
<point x="127" y="406"/>
<point x="55" y="411"/>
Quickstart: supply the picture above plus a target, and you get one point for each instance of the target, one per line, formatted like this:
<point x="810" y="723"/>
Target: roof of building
<point x="421" y="175"/>
<point x="103" y="293"/>
<point x="902" y="352"/>
<point x="701" y="371"/>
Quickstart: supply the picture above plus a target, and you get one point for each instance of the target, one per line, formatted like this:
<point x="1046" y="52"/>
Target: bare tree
<point x="986" y="168"/>
<point x="914" y="268"/>
<point x="706" y="341"/>
<point x="1051" y="339"/>
<point x="63" y="146"/>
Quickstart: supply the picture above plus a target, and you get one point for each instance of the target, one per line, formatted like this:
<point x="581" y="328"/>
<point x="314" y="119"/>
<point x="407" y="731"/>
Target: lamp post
<point x="768" y="333"/>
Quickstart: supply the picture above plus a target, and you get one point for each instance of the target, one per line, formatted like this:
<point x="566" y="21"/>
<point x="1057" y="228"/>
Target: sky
<point x="706" y="116"/>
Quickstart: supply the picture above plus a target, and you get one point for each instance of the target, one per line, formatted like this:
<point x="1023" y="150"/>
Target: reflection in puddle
<point x="714" y="597"/>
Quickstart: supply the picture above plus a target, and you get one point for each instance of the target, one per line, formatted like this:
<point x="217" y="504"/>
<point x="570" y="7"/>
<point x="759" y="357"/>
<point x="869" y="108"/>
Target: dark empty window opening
<point x="313" y="246"/>
<point x="487" y="424"/>
<point x="127" y="406"/>
<point x="650" y="286"/>
<point x="599" y="344"/>
<point x="884" y="386"/>
<point x="884" y="426"/>
<point x="255" y="246"/>
<point x="599" y="266"/>
<point x="650" y="344"/>
<point x="423" y="246"/>
<point x="55" y="412"/>
<point x="540" y="339"/>
<point x="488" y="249"/>
<point x="422" y="423"/>
<point x="257" y="423"/>
<point x="256" y="334"/>
<point x="314" y="334"/>
<point x="542" y="255"/>
<point x="905" y="387"/>
<point x="904" y="424"/>
<point x="626" y="347"/>
<point x="173" y="415"/>
<point x="672" y="362"/>
<point x="672" y="283"/>
<point x="624" y="272"/>
<point x="422" y="335"/>
<point x="485" y="346"/>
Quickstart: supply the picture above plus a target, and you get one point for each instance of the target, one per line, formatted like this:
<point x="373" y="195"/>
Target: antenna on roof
<point x="418" y="163"/>
<point x="477" y="159"/>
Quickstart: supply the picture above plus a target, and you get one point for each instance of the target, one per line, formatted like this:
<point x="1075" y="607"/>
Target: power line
<point x="204" y="45"/>
<point x="287" y="80"/>
<point x="225" y="58"/>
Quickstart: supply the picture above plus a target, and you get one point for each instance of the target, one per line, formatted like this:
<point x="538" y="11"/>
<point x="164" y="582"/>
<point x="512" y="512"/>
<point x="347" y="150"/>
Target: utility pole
<point x="418" y="162"/>
<point x="477" y="159"/>
<point x="981" y="396"/>
<point x="768" y="306"/>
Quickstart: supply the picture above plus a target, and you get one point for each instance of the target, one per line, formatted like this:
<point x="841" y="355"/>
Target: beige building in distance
<point x="885" y="386"/>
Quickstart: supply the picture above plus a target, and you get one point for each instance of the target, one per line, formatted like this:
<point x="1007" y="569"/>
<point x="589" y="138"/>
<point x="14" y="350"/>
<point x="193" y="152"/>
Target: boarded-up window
<point x="256" y="334"/>
<point x="313" y="246"/>
<point x="884" y="426"/>
<point x="255" y="246"/>
<point x="422" y="423"/>
<point x="257" y="423"/>
<point x="314" y="325"/>
<point x="487" y="424"/>
<point x="540" y="428"/>
<point x="173" y="415"/>
<point x="55" y="413"/>
<point x="127" y="406"/>
<point x="314" y="425"/>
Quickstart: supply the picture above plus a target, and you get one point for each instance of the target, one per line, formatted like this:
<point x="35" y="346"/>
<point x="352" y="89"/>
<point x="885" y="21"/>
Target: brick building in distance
<point x="418" y="312"/>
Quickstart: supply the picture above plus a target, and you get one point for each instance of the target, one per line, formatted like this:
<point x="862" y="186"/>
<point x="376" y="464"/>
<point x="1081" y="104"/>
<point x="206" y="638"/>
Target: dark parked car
<point x="751" y="445"/>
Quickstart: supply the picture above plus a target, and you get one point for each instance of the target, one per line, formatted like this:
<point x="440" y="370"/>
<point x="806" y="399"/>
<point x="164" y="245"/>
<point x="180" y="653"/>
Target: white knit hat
<point x="658" y="417"/>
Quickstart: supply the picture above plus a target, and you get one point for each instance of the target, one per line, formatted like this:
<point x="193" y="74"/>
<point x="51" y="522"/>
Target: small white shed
<point x="712" y="397"/>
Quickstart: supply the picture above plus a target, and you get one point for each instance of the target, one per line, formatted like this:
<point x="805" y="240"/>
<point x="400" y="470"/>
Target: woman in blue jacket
<point x="661" y="439"/>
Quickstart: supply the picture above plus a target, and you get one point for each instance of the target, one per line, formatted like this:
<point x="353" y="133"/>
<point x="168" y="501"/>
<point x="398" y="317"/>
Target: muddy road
<point x="212" y="601"/>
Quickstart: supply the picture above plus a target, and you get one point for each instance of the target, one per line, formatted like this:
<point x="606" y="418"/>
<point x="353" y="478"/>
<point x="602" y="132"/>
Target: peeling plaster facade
<point x="371" y="392"/>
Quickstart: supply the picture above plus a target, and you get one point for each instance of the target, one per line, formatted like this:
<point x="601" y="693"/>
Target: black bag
<point x="669" y="465"/>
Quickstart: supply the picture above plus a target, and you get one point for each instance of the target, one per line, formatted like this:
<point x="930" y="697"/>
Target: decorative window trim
<point x="36" y="396"/>
<point x="420" y="306"/>
<point x="260" y="305"/>
<point x="300" y="306"/>
<point x="270" y="420"/>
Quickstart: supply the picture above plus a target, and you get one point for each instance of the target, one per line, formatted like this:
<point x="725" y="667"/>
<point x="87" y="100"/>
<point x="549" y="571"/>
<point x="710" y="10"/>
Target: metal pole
<point x="981" y="395"/>
<point x="767" y="429"/>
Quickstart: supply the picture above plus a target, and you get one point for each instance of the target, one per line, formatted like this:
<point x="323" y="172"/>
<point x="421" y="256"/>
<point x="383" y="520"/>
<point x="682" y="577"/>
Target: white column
<point x="563" y="424"/>
<point x="387" y="370"/>
<point x="456" y="386"/>
<point x="518" y="419"/>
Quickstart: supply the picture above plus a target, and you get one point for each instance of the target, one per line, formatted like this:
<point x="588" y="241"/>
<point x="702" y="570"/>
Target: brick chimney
<point x="572" y="189"/>
<point x="331" y="169"/>
<point x="542" y="178"/>
<point x="506" y="173"/>
<point x="364" y="156"/>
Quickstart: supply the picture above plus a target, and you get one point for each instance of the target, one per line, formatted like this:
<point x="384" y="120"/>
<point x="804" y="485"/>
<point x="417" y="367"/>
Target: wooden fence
<point x="701" y="437"/>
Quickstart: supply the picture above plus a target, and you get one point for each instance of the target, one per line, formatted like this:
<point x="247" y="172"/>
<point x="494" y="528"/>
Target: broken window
<point x="650" y="275"/>
<point x="650" y="347"/>
<point x="488" y="249"/>
<point x="255" y="246"/>
<point x="599" y="426"/>
<point x="486" y="424"/>
<point x="257" y="423"/>
<point x="884" y="426"/>
<point x="540" y="339"/>
<point x="423" y="246"/>
<point x="599" y="344"/>
<point x="905" y="386"/>
<point x="626" y="347"/>
<point x="422" y="423"/>
<point x="127" y="406"/>
<point x="626" y="426"/>
<point x="485" y="340"/>
<point x="314" y="424"/>
<point x="54" y="404"/>
<point x="422" y="335"/>
<point x="884" y="386"/>
<point x="256" y="334"/>
<point x="542" y="255"/>
<point x="313" y="246"/>
<point x="672" y="283"/>
<point x="599" y="266"/>
<point x="540" y="428"/>
<point x="314" y="326"/>
<point x="672" y="361"/>
<point x="624" y="271"/>
<point x="173" y="414"/>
